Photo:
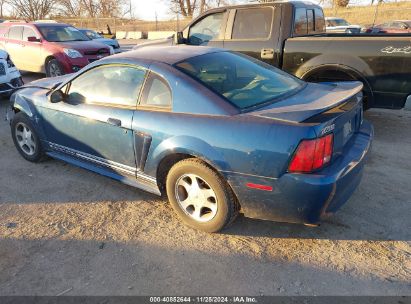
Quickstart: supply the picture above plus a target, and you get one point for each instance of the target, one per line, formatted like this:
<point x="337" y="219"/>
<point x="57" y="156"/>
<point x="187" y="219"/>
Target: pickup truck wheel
<point x="200" y="197"/>
<point x="25" y="138"/>
<point x="53" y="68"/>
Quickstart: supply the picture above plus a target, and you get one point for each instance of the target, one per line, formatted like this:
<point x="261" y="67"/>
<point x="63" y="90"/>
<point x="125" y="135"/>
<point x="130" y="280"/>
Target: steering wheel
<point x="255" y="84"/>
<point x="206" y="29"/>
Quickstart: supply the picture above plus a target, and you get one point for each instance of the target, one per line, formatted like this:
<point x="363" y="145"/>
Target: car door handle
<point x="267" y="53"/>
<point x="114" y="122"/>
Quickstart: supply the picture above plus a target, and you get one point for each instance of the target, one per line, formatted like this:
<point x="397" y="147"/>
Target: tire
<point x="25" y="138"/>
<point x="53" y="68"/>
<point x="211" y="206"/>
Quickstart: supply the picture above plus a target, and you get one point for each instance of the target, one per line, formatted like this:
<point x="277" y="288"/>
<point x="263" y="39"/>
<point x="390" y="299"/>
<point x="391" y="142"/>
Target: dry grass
<point x="364" y="15"/>
<point x="127" y="25"/>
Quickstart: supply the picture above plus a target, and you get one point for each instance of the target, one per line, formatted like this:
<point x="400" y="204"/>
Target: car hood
<point x="48" y="83"/>
<point x="314" y="99"/>
<point x="106" y="41"/>
<point x="81" y="45"/>
<point x="157" y="42"/>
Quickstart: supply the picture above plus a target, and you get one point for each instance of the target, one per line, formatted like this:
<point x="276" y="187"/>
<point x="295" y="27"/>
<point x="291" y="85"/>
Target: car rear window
<point x="319" y="20"/>
<point x="300" y="22"/>
<point x="243" y="81"/>
<point x="252" y="23"/>
<point x="61" y="33"/>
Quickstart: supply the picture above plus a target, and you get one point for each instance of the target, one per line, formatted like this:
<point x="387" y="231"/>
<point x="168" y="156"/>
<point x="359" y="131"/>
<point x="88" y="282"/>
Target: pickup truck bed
<point x="380" y="62"/>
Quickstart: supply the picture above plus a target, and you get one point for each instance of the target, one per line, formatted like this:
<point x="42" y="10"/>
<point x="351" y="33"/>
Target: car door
<point x="34" y="61"/>
<point x="14" y="45"/>
<point x="209" y="30"/>
<point x="249" y="31"/>
<point x="94" y="123"/>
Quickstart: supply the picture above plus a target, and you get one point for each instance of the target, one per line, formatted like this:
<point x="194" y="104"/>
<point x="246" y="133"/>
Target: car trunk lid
<point x="328" y="108"/>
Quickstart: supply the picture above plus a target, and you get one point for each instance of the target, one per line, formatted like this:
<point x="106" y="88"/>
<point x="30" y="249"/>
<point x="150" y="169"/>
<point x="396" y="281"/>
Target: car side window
<point x="252" y="23"/>
<point x="16" y="32"/>
<point x="206" y="29"/>
<point x="115" y="85"/>
<point x="156" y="93"/>
<point x="300" y="22"/>
<point x="28" y="32"/>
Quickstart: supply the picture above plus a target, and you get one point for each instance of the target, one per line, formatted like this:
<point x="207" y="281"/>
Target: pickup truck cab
<point x="291" y="35"/>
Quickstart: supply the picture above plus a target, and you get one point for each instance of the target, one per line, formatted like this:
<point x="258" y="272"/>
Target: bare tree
<point x="32" y="9"/>
<point x="2" y="3"/>
<point x="70" y="8"/>
<point x="342" y="3"/>
<point x="188" y="8"/>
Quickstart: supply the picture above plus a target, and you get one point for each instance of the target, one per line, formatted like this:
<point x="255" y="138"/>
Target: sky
<point x="147" y="9"/>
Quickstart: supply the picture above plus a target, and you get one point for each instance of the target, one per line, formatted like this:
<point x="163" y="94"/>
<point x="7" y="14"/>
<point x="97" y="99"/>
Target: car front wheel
<point x="25" y="138"/>
<point x="53" y="68"/>
<point x="200" y="197"/>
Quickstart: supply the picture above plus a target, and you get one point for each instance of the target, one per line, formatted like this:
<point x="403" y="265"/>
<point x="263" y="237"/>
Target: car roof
<point x="167" y="54"/>
<point x="51" y="24"/>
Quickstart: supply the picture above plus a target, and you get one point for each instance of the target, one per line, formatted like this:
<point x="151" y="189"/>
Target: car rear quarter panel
<point x="384" y="62"/>
<point x="240" y="143"/>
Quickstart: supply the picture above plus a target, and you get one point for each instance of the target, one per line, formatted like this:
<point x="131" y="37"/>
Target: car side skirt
<point x="125" y="174"/>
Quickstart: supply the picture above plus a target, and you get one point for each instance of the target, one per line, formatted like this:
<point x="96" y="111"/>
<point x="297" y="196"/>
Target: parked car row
<point x="340" y="25"/>
<point x="52" y="48"/>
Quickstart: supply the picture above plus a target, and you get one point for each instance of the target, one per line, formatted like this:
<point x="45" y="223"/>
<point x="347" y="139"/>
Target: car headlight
<point x="72" y="53"/>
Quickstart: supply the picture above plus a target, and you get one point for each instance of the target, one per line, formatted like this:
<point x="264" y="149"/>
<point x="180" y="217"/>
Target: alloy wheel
<point x="25" y="139"/>
<point x="196" y="198"/>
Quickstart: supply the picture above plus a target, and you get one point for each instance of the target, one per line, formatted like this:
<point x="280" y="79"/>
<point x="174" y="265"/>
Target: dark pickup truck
<point x="291" y="35"/>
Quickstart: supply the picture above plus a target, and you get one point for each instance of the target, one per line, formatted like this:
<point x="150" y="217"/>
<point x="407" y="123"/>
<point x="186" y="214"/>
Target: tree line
<point x="40" y="9"/>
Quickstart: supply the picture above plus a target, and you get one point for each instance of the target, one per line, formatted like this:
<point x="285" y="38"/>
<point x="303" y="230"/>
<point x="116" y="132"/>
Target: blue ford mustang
<point x="218" y="132"/>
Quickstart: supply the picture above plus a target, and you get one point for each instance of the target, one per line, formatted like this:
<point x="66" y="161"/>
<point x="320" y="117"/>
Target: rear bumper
<point x="306" y="198"/>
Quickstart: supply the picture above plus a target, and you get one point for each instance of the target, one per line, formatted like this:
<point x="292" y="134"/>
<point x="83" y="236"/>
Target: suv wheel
<point x="53" y="68"/>
<point x="200" y="197"/>
<point x="25" y="138"/>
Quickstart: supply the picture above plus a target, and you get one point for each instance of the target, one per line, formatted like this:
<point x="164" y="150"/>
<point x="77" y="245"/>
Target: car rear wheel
<point x="53" y="68"/>
<point x="25" y="138"/>
<point x="200" y="197"/>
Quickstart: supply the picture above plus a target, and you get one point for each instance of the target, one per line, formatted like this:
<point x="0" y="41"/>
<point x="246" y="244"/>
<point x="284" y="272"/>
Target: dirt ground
<point x="67" y="230"/>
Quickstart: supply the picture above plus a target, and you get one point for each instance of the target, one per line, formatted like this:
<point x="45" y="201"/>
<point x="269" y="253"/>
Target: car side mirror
<point x="57" y="96"/>
<point x="33" y="39"/>
<point x="178" y="38"/>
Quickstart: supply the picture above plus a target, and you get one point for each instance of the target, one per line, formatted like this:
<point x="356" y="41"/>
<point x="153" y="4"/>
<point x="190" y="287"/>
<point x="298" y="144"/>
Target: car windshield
<point x="338" y="22"/>
<point x="62" y="33"/>
<point x="243" y="81"/>
<point x="91" y="34"/>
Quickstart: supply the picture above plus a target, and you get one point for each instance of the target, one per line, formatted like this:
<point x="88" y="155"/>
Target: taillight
<point x="312" y="154"/>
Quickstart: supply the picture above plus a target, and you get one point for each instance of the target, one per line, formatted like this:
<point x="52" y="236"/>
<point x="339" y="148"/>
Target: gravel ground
<point x="67" y="230"/>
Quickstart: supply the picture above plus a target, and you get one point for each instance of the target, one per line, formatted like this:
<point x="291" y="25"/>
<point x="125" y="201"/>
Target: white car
<point x="10" y="77"/>
<point x="339" y="25"/>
